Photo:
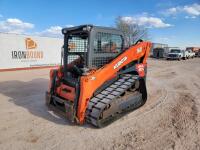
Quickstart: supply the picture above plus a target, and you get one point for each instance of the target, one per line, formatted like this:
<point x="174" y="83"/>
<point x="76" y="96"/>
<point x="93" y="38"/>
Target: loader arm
<point x="90" y="83"/>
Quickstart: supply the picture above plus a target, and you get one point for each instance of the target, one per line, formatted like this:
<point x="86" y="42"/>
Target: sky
<point x="176" y="23"/>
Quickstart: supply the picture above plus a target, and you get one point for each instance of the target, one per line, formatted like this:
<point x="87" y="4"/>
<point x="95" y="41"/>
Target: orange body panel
<point x="66" y="92"/>
<point x="90" y="83"/>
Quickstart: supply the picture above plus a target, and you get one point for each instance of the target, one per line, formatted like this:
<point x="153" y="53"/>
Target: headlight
<point x="88" y="28"/>
<point x="65" y="31"/>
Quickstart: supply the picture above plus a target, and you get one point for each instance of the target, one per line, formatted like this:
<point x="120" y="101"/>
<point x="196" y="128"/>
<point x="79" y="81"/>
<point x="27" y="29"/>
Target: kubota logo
<point x="30" y="53"/>
<point x="119" y="63"/>
<point x="30" y="44"/>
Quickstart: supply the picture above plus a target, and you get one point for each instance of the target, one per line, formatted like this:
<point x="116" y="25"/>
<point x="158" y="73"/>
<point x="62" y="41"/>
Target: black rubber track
<point x="114" y="101"/>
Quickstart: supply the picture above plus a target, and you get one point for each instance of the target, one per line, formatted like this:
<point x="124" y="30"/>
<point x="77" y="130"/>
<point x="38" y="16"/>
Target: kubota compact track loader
<point x="99" y="79"/>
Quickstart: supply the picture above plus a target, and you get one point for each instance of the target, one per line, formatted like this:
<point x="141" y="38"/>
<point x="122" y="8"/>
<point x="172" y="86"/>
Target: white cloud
<point x="190" y="17"/>
<point x="172" y="11"/>
<point x="14" y="25"/>
<point x="53" y="31"/>
<point x="150" y="22"/>
<point x="192" y="10"/>
<point x="69" y="25"/>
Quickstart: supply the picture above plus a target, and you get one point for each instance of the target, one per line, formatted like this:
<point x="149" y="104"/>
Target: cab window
<point x="107" y="43"/>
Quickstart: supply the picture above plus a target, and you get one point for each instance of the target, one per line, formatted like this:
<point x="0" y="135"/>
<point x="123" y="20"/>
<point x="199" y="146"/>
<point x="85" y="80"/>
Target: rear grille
<point x="172" y="55"/>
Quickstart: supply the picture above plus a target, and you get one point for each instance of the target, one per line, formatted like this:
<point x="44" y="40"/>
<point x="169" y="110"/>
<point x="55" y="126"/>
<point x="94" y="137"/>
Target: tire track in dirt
<point x="184" y="120"/>
<point x="175" y="130"/>
<point x="176" y="125"/>
<point x="161" y="96"/>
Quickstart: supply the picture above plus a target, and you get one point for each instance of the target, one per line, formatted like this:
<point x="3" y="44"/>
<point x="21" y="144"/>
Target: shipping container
<point x="158" y="50"/>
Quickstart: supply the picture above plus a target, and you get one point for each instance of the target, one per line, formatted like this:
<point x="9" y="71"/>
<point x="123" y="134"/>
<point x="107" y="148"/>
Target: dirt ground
<point x="169" y="120"/>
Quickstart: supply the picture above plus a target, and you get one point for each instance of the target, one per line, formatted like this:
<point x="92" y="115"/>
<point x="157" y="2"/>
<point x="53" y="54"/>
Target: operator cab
<point x="88" y="47"/>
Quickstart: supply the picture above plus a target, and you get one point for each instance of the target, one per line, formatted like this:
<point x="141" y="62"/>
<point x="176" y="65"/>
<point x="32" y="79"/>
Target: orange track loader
<point x="98" y="80"/>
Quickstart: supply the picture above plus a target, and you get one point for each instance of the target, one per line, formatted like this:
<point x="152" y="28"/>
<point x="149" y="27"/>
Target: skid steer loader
<point x="99" y="80"/>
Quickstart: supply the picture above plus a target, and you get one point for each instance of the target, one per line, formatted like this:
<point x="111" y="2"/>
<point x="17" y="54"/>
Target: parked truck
<point x="186" y="54"/>
<point x="191" y="54"/>
<point x="175" y="54"/>
<point x="196" y="50"/>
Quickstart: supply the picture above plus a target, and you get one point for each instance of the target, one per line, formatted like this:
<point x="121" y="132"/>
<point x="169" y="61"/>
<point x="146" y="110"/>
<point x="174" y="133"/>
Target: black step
<point x="105" y="100"/>
<point x="114" y="86"/>
<point x="94" y="100"/>
<point x="105" y="92"/>
<point x="131" y="80"/>
<point x="100" y="106"/>
<point x="127" y="83"/>
<point x="124" y="86"/>
<point x="110" y="96"/>
<point x="118" y="83"/>
<point x="100" y="96"/>
<point x="95" y="112"/>
<point x="109" y="89"/>
<point x="120" y="89"/>
<point x="116" y="93"/>
<point x="121" y="80"/>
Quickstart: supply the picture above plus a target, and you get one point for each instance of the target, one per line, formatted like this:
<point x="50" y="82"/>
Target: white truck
<point x="175" y="54"/>
<point x="191" y="54"/>
<point x="186" y="54"/>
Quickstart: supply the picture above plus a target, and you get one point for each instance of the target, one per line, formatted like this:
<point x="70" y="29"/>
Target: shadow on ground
<point x="31" y="96"/>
